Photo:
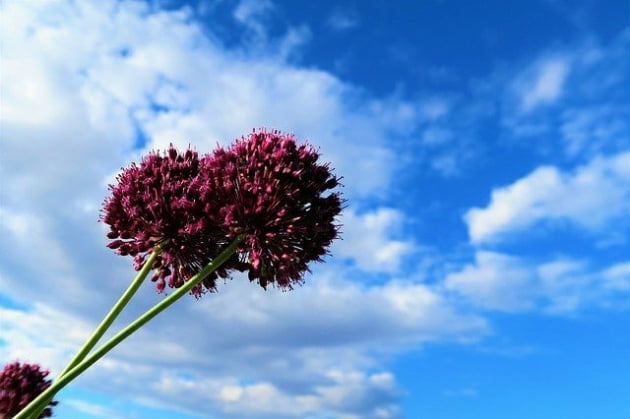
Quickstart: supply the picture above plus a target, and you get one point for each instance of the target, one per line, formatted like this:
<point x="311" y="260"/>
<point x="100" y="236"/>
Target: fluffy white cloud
<point x="591" y="197"/>
<point x="307" y="352"/>
<point x="126" y="75"/>
<point x="74" y="108"/>
<point x="369" y="239"/>
<point x="349" y="392"/>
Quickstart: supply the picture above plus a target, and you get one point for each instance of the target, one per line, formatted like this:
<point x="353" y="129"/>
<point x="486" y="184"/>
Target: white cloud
<point x="567" y="285"/>
<point x="206" y="95"/>
<point x="343" y="391"/>
<point x="42" y="335"/>
<point x="64" y="142"/>
<point x="581" y="93"/>
<point x="617" y="277"/>
<point x="369" y="240"/>
<point x="496" y="281"/>
<point x="309" y="351"/>
<point x="591" y="197"/>
<point x="248" y="10"/>
<point x="590" y="129"/>
<point x="545" y="85"/>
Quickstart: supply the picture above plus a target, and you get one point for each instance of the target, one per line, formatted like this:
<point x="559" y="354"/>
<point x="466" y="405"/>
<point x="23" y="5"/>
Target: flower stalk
<point x="107" y="321"/>
<point x="114" y="312"/>
<point x="74" y="372"/>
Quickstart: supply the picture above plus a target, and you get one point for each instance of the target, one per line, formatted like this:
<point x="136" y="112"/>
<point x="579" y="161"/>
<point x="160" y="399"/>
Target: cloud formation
<point x="368" y="239"/>
<point x="315" y="345"/>
<point x="591" y="197"/>
<point x="560" y="285"/>
<point x="544" y="85"/>
<point x="76" y="108"/>
<point x="342" y="20"/>
<point x="575" y="93"/>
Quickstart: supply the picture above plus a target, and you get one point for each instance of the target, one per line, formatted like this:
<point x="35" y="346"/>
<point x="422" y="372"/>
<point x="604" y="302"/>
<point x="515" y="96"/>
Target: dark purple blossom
<point x="157" y="203"/>
<point x="274" y="193"/>
<point x="19" y="385"/>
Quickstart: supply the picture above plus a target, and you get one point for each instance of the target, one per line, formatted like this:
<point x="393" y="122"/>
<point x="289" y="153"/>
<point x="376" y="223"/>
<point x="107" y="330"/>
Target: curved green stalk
<point x="62" y="381"/>
<point x="109" y="318"/>
<point x="114" y="312"/>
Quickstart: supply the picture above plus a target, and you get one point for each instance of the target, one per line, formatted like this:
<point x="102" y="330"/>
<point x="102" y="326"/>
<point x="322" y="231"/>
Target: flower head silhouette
<point x="19" y="384"/>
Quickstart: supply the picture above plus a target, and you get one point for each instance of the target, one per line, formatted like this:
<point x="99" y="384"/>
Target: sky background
<point x="484" y="270"/>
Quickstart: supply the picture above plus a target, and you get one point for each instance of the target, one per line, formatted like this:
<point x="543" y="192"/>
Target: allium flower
<point x="273" y="192"/>
<point x="156" y="203"/>
<point x="19" y="384"/>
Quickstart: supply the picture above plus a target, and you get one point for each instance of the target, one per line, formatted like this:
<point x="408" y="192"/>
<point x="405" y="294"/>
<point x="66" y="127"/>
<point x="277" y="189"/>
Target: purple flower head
<point x="19" y="385"/>
<point x="274" y="193"/>
<point x="158" y="203"/>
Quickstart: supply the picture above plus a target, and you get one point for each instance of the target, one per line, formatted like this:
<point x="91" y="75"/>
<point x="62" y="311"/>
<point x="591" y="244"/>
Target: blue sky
<point x="484" y="270"/>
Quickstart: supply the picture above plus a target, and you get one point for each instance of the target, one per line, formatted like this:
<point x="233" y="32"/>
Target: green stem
<point x="115" y="311"/>
<point x="70" y="375"/>
<point x="108" y="319"/>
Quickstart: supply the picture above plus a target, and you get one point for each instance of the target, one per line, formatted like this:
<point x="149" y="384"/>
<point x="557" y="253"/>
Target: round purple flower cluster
<point x="19" y="385"/>
<point x="154" y="203"/>
<point x="271" y="190"/>
<point x="264" y="189"/>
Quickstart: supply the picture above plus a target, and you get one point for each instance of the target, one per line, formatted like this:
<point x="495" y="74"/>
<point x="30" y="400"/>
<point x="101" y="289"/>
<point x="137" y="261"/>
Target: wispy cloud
<point x="582" y="90"/>
<point x="461" y="392"/>
<point x="497" y="281"/>
<point x="494" y="281"/>
<point x="41" y="334"/>
<point x="342" y="19"/>
<point x="251" y="14"/>
<point x="95" y="410"/>
<point x="545" y="85"/>
<point x="617" y="277"/>
<point x="592" y="129"/>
